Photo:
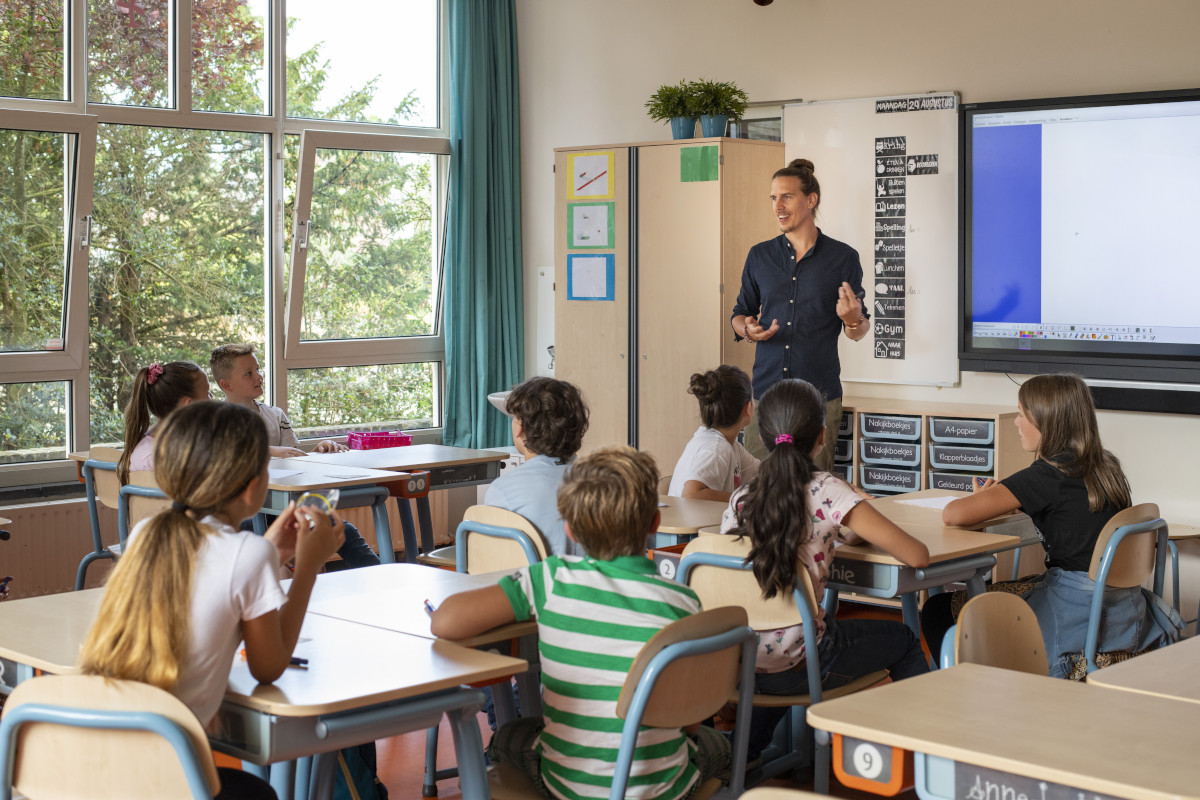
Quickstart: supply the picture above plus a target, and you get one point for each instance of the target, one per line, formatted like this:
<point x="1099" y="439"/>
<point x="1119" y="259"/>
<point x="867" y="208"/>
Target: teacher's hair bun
<point x="801" y="163"/>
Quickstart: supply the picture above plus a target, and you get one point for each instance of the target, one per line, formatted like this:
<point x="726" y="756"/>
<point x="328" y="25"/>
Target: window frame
<point x="76" y="115"/>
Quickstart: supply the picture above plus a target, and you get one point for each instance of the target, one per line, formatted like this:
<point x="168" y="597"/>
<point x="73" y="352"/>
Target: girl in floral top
<point x="793" y="514"/>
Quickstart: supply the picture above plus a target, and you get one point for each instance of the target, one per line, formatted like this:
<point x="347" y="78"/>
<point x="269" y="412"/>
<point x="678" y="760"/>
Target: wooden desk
<point x="448" y="467"/>
<point x="362" y="683"/>
<point x="1168" y="672"/>
<point x="684" y="517"/>
<point x="1057" y="740"/>
<point x="955" y="554"/>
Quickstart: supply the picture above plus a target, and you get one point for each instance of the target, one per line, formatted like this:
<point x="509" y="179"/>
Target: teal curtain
<point x="484" y="302"/>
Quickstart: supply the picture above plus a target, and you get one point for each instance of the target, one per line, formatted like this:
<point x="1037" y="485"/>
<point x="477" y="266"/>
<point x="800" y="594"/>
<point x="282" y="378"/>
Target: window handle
<point x="302" y="235"/>
<point x="85" y="238"/>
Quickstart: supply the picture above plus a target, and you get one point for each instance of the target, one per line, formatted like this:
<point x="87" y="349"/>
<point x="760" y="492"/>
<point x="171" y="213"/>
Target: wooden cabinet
<point x="684" y="214"/>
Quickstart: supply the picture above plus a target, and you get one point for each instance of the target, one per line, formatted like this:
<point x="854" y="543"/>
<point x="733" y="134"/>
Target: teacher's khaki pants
<point x="824" y="460"/>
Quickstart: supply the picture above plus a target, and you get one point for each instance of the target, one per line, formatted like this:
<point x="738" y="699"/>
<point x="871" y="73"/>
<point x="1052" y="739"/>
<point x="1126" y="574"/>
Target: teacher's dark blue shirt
<point x="803" y="296"/>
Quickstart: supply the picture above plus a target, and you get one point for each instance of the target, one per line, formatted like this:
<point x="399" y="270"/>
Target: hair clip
<point x="783" y="438"/>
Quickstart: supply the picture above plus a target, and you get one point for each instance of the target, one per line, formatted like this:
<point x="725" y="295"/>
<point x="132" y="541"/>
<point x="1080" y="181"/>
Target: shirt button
<point x="787" y="347"/>
<point x="791" y="301"/>
<point x="793" y="277"/>
<point x="785" y="369"/>
<point x="789" y="324"/>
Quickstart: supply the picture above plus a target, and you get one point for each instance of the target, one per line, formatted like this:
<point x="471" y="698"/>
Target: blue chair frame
<point x="498" y="531"/>
<point x="99" y="551"/>
<point x="793" y="756"/>
<point x="1106" y="563"/>
<point x="179" y="740"/>
<point x="946" y="657"/>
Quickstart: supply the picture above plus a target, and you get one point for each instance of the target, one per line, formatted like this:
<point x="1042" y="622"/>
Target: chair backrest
<point x="87" y="736"/>
<point x="489" y="550"/>
<point x="717" y="586"/>
<point x="998" y="629"/>
<point x="664" y="484"/>
<point x="1134" y="559"/>
<point x="104" y="474"/>
<point x="140" y="506"/>
<point x="686" y="672"/>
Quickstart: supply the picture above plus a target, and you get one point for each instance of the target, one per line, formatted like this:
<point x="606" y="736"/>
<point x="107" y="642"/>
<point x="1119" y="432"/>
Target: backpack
<point x="355" y="775"/>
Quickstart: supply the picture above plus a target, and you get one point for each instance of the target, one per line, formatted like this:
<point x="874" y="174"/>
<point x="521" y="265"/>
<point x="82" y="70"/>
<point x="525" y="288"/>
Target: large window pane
<point x="177" y="262"/>
<point x="129" y="52"/>
<point x="33" y="206"/>
<point x="33" y="422"/>
<point x="334" y="400"/>
<point x="370" y="264"/>
<point x="229" y="56"/>
<point x="376" y="61"/>
<point x="31" y="49"/>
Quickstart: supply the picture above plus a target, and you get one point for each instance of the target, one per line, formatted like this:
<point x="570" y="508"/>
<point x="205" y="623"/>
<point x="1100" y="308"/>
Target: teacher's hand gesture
<point x="849" y="307"/>
<point x="755" y="332"/>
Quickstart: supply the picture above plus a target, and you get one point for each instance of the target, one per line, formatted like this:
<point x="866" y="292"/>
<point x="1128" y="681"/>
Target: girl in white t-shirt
<point x="714" y="463"/>
<point x="190" y="585"/>
<point x="158" y="390"/>
<point x="793" y="514"/>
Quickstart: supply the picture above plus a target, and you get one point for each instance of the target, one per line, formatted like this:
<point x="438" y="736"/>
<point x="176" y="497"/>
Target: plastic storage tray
<point x="882" y="451"/>
<point x="843" y="450"/>
<point x="890" y="426"/>
<point x="962" y="431"/>
<point x="844" y="471"/>
<point x="365" y="440"/>
<point x="889" y="479"/>
<point x="846" y="426"/>
<point x="953" y="481"/>
<point x="946" y="456"/>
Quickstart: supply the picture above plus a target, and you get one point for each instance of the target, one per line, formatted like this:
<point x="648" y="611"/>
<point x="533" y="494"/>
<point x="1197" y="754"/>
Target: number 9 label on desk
<point x="871" y="767"/>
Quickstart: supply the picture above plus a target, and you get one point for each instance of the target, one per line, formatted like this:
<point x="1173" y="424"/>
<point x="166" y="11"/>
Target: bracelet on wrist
<point x="856" y="325"/>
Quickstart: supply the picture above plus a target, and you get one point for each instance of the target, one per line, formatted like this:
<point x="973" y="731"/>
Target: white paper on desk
<point x="275" y="474"/>
<point x="346" y="476"/>
<point x="930" y="502"/>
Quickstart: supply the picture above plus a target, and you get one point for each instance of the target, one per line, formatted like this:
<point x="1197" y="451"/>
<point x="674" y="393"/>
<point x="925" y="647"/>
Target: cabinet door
<point x="591" y="337"/>
<point x="679" y="312"/>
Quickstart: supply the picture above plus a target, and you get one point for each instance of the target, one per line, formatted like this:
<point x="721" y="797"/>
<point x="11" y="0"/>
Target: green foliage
<point x="670" y="100"/>
<point x="718" y="98"/>
<point x="31" y="49"/>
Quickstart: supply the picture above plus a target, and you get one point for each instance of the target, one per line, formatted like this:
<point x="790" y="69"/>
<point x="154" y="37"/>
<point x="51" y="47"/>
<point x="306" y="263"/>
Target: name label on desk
<point x="980" y="783"/>
<point x="861" y="575"/>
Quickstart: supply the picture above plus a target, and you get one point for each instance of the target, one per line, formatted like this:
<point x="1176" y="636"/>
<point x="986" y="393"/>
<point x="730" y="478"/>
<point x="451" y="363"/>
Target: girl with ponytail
<point x="792" y="513"/>
<point x="158" y="390"/>
<point x="190" y="585"/>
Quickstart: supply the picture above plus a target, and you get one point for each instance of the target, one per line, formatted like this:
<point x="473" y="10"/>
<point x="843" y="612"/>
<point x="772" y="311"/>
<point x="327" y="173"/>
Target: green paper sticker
<point x="698" y="163"/>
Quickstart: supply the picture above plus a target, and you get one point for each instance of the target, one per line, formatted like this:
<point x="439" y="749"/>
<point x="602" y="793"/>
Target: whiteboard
<point x="888" y="169"/>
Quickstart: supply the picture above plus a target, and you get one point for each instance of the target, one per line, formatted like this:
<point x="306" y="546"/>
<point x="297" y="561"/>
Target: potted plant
<point x="673" y="102"/>
<point x="717" y="103"/>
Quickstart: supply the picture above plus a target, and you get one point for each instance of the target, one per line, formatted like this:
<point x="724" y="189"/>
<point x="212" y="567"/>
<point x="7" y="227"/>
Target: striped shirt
<point x="593" y="618"/>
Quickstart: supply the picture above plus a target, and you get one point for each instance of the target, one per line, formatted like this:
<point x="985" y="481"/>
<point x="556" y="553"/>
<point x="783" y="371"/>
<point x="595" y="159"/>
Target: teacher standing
<point x="810" y="288"/>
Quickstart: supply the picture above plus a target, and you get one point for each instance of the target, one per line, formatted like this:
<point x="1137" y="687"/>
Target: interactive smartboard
<point x="888" y="169"/>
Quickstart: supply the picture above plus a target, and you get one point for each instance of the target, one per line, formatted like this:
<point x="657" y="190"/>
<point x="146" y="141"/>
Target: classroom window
<point x="230" y="57"/>
<point x="31" y="50"/>
<point x="332" y="401"/>
<point x="130" y="52"/>
<point x="33" y="422"/>
<point x="34" y="204"/>
<point x="378" y="61"/>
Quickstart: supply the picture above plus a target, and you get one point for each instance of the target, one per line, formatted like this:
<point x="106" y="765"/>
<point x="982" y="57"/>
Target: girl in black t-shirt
<point x="1071" y="490"/>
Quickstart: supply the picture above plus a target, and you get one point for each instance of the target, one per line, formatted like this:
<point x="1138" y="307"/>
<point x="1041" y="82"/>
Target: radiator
<point x="48" y="540"/>
<point x="46" y="544"/>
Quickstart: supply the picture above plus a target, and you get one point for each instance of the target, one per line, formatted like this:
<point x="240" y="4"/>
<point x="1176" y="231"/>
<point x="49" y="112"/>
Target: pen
<point x="429" y="608"/>
<point x="296" y="661"/>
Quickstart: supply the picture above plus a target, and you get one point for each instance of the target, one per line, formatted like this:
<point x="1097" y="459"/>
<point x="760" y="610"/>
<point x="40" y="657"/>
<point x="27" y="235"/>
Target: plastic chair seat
<point x="785" y="700"/>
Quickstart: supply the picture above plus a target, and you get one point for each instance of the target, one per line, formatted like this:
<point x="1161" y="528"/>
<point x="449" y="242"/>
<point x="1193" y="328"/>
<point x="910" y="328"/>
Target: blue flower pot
<point x="683" y="127"/>
<point x="713" y="124"/>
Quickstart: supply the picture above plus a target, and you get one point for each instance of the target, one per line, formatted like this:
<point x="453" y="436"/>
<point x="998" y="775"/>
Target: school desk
<point x="361" y="683"/>
<point x="1166" y="672"/>
<point x="683" y="517"/>
<point x="1057" y="740"/>
<point x="955" y="554"/>
<point x="448" y="467"/>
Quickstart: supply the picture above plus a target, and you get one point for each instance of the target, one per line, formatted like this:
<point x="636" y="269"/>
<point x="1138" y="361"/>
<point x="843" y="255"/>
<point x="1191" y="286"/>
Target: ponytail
<point x="774" y="512"/>
<point x="157" y="390"/>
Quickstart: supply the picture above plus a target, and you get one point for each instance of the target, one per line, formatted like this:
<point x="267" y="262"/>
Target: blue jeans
<point x="850" y="649"/>
<point x="355" y="551"/>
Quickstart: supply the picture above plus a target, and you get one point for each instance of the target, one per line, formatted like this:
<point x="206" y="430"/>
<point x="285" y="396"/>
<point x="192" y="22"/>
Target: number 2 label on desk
<point x="868" y="761"/>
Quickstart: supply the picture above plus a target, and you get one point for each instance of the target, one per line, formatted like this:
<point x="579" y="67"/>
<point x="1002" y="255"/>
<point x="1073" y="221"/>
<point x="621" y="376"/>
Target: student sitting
<point x="714" y="463"/>
<point x="158" y="390"/>
<point x="191" y="586"/>
<point x="792" y="510"/>
<point x="1071" y="490"/>
<point x="549" y="419"/>
<point x="235" y="368"/>
<point x="594" y="613"/>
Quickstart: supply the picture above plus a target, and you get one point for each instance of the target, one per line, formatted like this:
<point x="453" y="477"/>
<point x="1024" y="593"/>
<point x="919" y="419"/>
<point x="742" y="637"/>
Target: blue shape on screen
<point x="1006" y="225"/>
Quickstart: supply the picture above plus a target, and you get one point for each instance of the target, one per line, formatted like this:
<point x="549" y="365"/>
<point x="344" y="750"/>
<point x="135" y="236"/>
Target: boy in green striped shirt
<point x="594" y="613"/>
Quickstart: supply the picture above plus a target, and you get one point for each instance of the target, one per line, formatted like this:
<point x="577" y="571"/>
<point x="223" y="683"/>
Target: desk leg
<point x="529" y="682"/>
<point x="1174" y="572"/>
<point x="322" y="775"/>
<point x="260" y="524"/>
<point x="975" y="584"/>
<point x="283" y="776"/>
<point x="410" y="531"/>
<point x="912" y="616"/>
<point x="468" y="749"/>
<point x="383" y="531"/>
<point x="426" y="524"/>
<point x="303" y="777"/>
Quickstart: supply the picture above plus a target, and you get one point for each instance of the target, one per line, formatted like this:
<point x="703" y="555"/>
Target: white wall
<point x="586" y="68"/>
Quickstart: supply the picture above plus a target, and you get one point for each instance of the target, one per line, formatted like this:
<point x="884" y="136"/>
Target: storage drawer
<point x="846" y="426"/>
<point x="953" y="481"/>
<point x="962" y="431"/>
<point x="882" y="451"/>
<point x="890" y="479"/>
<point x="844" y="471"/>
<point x="891" y="426"/>
<point x="843" y="450"/>
<point x="947" y="456"/>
